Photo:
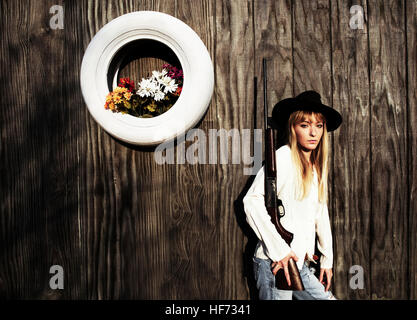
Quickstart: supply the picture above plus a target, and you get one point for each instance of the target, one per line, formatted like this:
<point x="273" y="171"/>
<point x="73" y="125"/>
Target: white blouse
<point x="302" y="218"/>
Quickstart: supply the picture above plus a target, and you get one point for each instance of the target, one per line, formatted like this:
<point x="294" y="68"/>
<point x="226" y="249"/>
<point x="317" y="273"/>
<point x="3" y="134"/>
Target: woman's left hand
<point x="329" y="275"/>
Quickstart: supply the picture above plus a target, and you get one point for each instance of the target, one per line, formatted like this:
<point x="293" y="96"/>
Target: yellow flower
<point x="109" y="97"/>
<point x="117" y="98"/>
<point x="120" y="90"/>
<point x="151" y="107"/>
<point x="127" y="95"/>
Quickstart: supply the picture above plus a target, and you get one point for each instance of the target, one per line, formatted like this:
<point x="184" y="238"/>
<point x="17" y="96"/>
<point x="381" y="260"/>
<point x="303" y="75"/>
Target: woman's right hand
<point x="284" y="265"/>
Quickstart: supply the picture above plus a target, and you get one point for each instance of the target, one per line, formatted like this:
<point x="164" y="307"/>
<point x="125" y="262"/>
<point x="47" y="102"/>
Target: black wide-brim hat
<point x="306" y="101"/>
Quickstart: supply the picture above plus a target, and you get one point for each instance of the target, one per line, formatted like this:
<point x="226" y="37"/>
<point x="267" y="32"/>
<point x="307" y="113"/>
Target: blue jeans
<point x="265" y="282"/>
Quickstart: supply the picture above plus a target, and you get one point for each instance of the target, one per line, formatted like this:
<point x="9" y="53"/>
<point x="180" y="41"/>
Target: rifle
<point x="274" y="205"/>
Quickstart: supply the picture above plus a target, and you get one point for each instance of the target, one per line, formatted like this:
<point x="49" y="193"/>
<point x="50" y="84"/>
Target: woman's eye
<point x="320" y="126"/>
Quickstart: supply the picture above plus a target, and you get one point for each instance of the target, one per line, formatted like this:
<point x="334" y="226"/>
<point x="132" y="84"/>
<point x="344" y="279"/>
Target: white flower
<point x="169" y="84"/>
<point x="159" y="94"/>
<point x="156" y="75"/>
<point x="159" y="75"/>
<point x="147" y="88"/>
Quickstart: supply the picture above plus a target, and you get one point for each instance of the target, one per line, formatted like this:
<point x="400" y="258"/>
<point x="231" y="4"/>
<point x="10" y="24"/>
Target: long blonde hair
<point x="319" y="157"/>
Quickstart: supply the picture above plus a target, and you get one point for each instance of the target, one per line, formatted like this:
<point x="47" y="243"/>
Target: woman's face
<point x="309" y="132"/>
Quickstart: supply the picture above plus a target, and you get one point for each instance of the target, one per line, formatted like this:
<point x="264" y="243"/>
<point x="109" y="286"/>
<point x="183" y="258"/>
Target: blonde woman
<point x="302" y="170"/>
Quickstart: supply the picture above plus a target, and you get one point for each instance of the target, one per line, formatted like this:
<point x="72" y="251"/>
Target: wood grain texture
<point x="411" y="71"/>
<point x="352" y="192"/>
<point x="56" y="155"/>
<point x="201" y="236"/>
<point x="234" y="71"/>
<point x="18" y="183"/>
<point x="273" y="41"/>
<point x="388" y="150"/>
<point x="127" y="235"/>
<point x="124" y="227"/>
<point x="311" y="47"/>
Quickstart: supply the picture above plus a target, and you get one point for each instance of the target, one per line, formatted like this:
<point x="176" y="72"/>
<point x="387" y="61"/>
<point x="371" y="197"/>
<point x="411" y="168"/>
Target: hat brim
<point x="283" y="109"/>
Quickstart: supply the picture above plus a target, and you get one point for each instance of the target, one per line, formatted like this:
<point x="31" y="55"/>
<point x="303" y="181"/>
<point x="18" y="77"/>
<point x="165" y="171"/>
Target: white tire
<point x="195" y="61"/>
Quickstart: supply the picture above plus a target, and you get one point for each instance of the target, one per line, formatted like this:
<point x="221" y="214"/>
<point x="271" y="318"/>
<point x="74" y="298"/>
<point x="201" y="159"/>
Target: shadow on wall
<point x="252" y="241"/>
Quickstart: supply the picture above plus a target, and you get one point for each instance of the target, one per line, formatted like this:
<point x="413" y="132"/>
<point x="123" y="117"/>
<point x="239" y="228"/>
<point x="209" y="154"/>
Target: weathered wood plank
<point x="411" y="27"/>
<point x="18" y="184"/>
<point x="388" y="150"/>
<point x="311" y="45"/>
<point x="56" y="152"/>
<point x="198" y="230"/>
<point x="273" y="41"/>
<point x="234" y="72"/>
<point x="352" y="193"/>
<point x="102" y="265"/>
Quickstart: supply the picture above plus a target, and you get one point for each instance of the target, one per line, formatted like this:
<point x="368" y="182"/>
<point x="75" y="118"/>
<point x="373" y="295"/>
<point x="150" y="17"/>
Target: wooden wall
<point x="124" y="227"/>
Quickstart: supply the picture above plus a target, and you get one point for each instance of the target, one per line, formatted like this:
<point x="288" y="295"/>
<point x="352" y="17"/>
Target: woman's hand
<point x="329" y="275"/>
<point x="284" y="264"/>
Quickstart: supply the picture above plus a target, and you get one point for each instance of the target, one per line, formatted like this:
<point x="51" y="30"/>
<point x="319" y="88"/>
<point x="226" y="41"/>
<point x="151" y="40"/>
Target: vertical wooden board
<point x="76" y="42"/>
<point x="388" y="126"/>
<point x="312" y="67"/>
<point x="411" y="27"/>
<point x="234" y="74"/>
<point x="18" y="184"/>
<point x="98" y="186"/>
<point x="198" y="230"/>
<point x="273" y="41"/>
<point x="352" y="193"/>
<point x="100" y="222"/>
<point x="311" y="46"/>
<point x="44" y="95"/>
<point x="56" y="149"/>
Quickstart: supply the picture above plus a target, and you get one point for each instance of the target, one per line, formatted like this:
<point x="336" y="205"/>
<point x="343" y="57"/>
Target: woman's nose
<point x="313" y="131"/>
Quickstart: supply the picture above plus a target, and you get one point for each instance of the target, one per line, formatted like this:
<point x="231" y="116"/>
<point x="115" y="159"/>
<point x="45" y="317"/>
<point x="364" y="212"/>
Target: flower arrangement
<point x="154" y="96"/>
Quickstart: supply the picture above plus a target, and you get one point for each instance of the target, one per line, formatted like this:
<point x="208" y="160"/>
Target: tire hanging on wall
<point x="192" y="54"/>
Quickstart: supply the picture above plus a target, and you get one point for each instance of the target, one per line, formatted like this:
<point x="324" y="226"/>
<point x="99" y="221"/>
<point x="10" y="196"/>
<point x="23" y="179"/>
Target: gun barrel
<point x="265" y="92"/>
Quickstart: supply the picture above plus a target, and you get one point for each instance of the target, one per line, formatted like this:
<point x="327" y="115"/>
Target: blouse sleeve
<point x="324" y="235"/>
<point x="258" y="218"/>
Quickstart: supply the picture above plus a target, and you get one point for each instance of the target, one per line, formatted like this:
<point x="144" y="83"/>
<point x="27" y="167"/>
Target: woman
<point x="302" y="169"/>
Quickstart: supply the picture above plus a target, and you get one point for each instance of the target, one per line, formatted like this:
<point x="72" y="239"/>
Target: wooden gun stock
<point x="275" y="210"/>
